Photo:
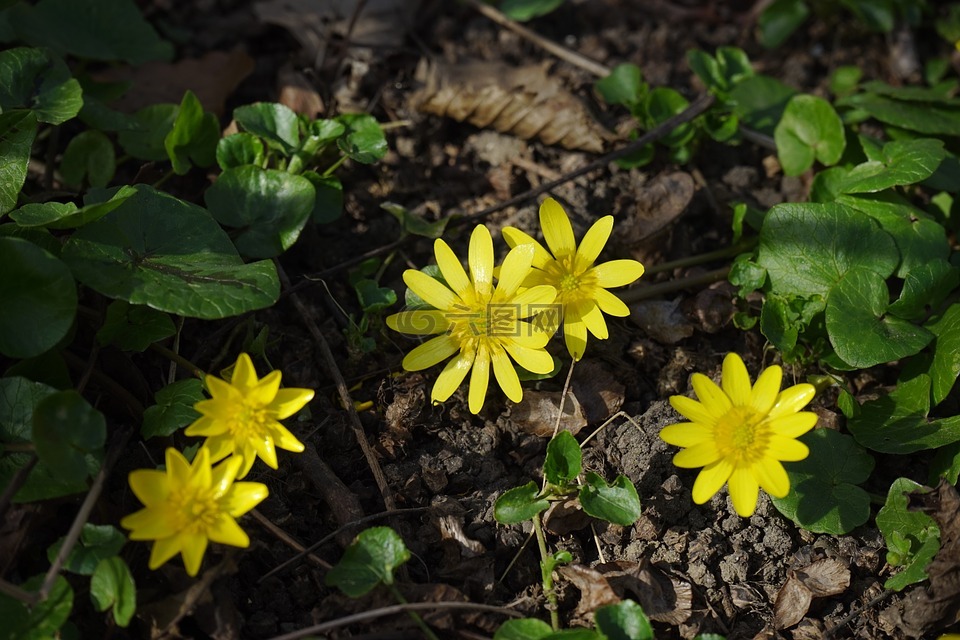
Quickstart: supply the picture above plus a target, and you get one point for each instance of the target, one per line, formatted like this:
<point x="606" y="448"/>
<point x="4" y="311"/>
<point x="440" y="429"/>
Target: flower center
<point x="569" y="283"/>
<point x="194" y="509"/>
<point x="741" y="434"/>
<point x="248" y="421"/>
<point x="483" y="319"/>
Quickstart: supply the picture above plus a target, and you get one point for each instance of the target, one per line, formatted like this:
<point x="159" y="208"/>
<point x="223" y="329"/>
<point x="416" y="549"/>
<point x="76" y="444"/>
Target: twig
<point x="564" y="53"/>
<point x="17" y="481"/>
<point x="342" y="390"/>
<point x="343" y="503"/>
<point x="661" y="288"/>
<point x="177" y="359"/>
<point x="744" y="245"/>
<point x="16" y="592"/>
<point x="393" y="610"/>
<point x="199" y="589"/>
<point x="287" y="539"/>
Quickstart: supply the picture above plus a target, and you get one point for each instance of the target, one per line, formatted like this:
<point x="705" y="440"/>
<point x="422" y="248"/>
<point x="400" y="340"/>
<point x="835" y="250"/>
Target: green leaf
<point x="523" y="629"/>
<point x="56" y="215"/>
<point x="134" y="327"/>
<point x="924" y="288"/>
<point x="147" y="141"/>
<point x="617" y="503"/>
<point x="898" y="422"/>
<point x="747" y="275"/>
<point x="415" y="223"/>
<point x="40" y="81"/>
<point x="779" y="20"/>
<point x="900" y="162"/>
<point x="363" y="140"/>
<point x="624" y="85"/>
<point x="66" y="429"/>
<point x="170" y="255"/>
<point x="759" y="102"/>
<point x="912" y="537"/>
<point x="623" y="621"/>
<point x="368" y="561"/>
<point x="523" y="10"/>
<point x="174" y="408"/>
<point x="823" y="497"/>
<point x="239" y="149"/>
<point x="111" y="30"/>
<point x="269" y="207"/>
<point x="860" y="330"/>
<point x="778" y="323"/>
<point x="89" y="156"/>
<point x="97" y="542"/>
<point x="807" y="248"/>
<point x="844" y="80"/>
<point x="519" y="504"/>
<point x="563" y="462"/>
<point x="927" y="118"/>
<point x="48" y="368"/>
<point x="945" y="366"/>
<point x="17" y="130"/>
<point x="42" y="621"/>
<point x="277" y="124"/>
<point x="39" y="299"/>
<point x="193" y="137"/>
<point x="112" y="587"/>
<point x="809" y="130"/>
<point x="723" y="72"/>
<point x="661" y="104"/>
<point x="945" y="464"/>
<point x="328" y="205"/>
<point x="373" y="297"/>
<point x="877" y="15"/>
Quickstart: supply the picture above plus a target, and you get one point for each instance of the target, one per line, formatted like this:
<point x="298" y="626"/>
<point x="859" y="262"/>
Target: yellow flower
<point x="242" y="416"/>
<point x="484" y="323"/>
<point x="739" y="434"/>
<point x="190" y="504"/>
<point x="581" y="285"/>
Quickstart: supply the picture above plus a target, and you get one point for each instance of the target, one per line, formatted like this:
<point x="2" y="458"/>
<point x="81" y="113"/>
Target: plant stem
<point x="179" y="359"/>
<point x="663" y="288"/>
<point x="334" y="166"/>
<point x="744" y="245"/>
<point x="427" y="631"/>
<point x="546" y="575"/>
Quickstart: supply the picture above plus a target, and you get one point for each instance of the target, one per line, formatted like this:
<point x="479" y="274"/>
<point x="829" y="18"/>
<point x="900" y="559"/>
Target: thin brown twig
<point x="288" y="540"/>
<point x="670" y="286"/>
<point x="17" y="481"/>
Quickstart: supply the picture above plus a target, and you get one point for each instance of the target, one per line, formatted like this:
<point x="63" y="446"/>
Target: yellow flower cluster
<point x="491" y="325"/>
<point x="188" y="505"/>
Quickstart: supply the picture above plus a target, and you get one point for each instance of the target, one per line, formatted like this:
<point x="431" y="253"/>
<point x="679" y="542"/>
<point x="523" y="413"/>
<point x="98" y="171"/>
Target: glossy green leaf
<point x="523" y="629"/>
<point x="912" y="537"/>
<point x="147" y="141"/>
<point x="55" y="215"/>
<point x="523" y="10"/>
<point x="96" y="543"/>
<point x="747" y="276"/>
<point x="927" y="118"/>
<point x="415" y="223"/>
<point x="945" y="366"/>
<point x="563" y="461"/>
<point x="807" y="248"/>
<point x="861" y="331"/>
<point x="373" y="297"/>
<point x="623" y="621"/>
<point x="39" y="299"/>
<point x="42" y="621"/>
<point x="809" y="130"/>
<point x="519" y="504"/>
<point x="617" y="503"/>
<point x="901" y="162"/>
<point x="66" y="429"/>
<point x="369" y="560"/>
<point x="269" y="207"/>
<point x="37" y="80"/>
<point x="239" y="149"/>
<point x="779" y="323"/>
<point x="946" y="464"/>
<point x="624" y="85"/>
<point x="17" y="130"/>
<point x="823" y="494"/>
<point x="328" y="204"/>
<point x="174" y="408"/>
<point x="723" y="72"/>
<point x="661" y="104"/>
<point x="759" y="102"/>
<point x="363" y="140"/>
<point x="277" y="124"/>
<point x="192" y="140"/>
<point x="112" y="587"/>
<point x="924" y="288"/>
<point x="779" y="20"/>
<point x="89" y="156"/>
<point x="898" y="422"/>
<point x="170" y="255"/>
<point x="844" y="80"/>
<point x="111" y="30"/>
<point x="134" y="327"/>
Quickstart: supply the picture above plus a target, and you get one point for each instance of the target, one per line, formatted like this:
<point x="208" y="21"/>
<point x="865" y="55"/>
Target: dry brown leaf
<point x="936" y="606"/>
<point x="826" y="577"/>
<point x="661" y="320"/>
<point x="664" y="598"/>
<point x="595" y="591"/>
<point x="564" y="517"/>
<point x="659" y="203"/>
<point x="536" y="414"/>
<point x="599" y="392"/>
<point x="523" y="101"/>
<point x="451" y="530"/>
<point x="213" y="78"/>
<point x="296" y="92"/>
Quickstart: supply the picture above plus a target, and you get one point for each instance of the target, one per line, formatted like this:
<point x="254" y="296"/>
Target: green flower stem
<point x="427" y="631"/>
<point x="334" y="166"/>
<point x="296" y="164"/>
<point x="671" y="286"/>
<point x="179" y="359"/>
<point x="159" y="183"/>
<point x="546" y="575"/>
<point x="745" y="244"/>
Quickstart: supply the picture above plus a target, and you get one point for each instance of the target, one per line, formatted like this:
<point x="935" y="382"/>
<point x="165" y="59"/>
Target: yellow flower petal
<point x="192" y="548"/>
<point x="772" y="478"/>
<point x="699" y="455"/>
<point x="692" y="410"/>
<point x="515" y="268"/>
<point x="163" y="550"/>
<point x="480" y="260"/>
<point x="200" y="471"/>
<point x="787" y="449"/>
<point x="609" y="303"/>
<point x="244" y="374"/>
<point x="685" y="434"/>
<point x="148" y="524"/>
<point x="431" y="290"/>
<point x="515" y="237"/>
<point x="420" y="322"/>
<point x="242" y="497"/>
<point x="574" y="333"/>
<point x="506" y="375"/>
<point x="616" y="273"/>
<point x="528" y="335"/>
<point x="430" y="353"/>
<point x="793" y="425"/>
<point x="710" y="395"/>
<point x="479" y="379"/>
<point x="451" y="377"/>
<point x="289" y="401"/>
<point x="225" y="530"/>
<point x="223" y="475"/>
<point x="557" y="230"/>
<point x="710" y="480"/>
<point x="593" y="318"/>
<point x="150" y="486"/>
<point x="266" y="451"/>
<point x="283" y="439"/>
<point x="792" y="400"/>
<point x="592" y="243"/>
<point x="205" y="425"/>
<point x="735" y="380"/>
<point x="178" y="469"/>
<point x="533" y="360"/>
<point x="265" y="391"/>
<point x="222" y="392"/>
<point x="219" y="446"/>
<point x="450" y="267"/>
<point x="535" y="300"/>
<point x="248" y="455"/>
<point x="744" y="490"/>
<point x="765" y="392"/>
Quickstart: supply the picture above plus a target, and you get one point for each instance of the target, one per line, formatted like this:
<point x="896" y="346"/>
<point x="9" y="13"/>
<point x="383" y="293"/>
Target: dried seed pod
<point x="523" y="101"/>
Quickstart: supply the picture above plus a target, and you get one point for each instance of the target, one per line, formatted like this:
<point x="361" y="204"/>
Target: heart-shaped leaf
<point x="623" y="621"/>
<point x="328" y="205"/>
<point x="17" y="130"/>
<point x="912" y="537"/>
<point x="40" y="81"/>
<point x="239" y="149"/>
<point x="192" y="140"/>
<point x="363" y="140"/>
<point x="945" y="366"/>
<point x="112" y="587"/>
<point x="369" y="560"/>
<point x="277" y="124"/>
<point x="563" y="462"/>
<point x="66" y="430"/>
<point x="147" y="141"/>
<point x="519" y="504"/>
<point x="96" y="543"/>
<point x="89" y="156"/>
<point x="809" y="130"/>
<point x="134" y="327"/>
<point x="617" y="503"/>
<point x="174" y="408"/>
<point x="624" y="85"/>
